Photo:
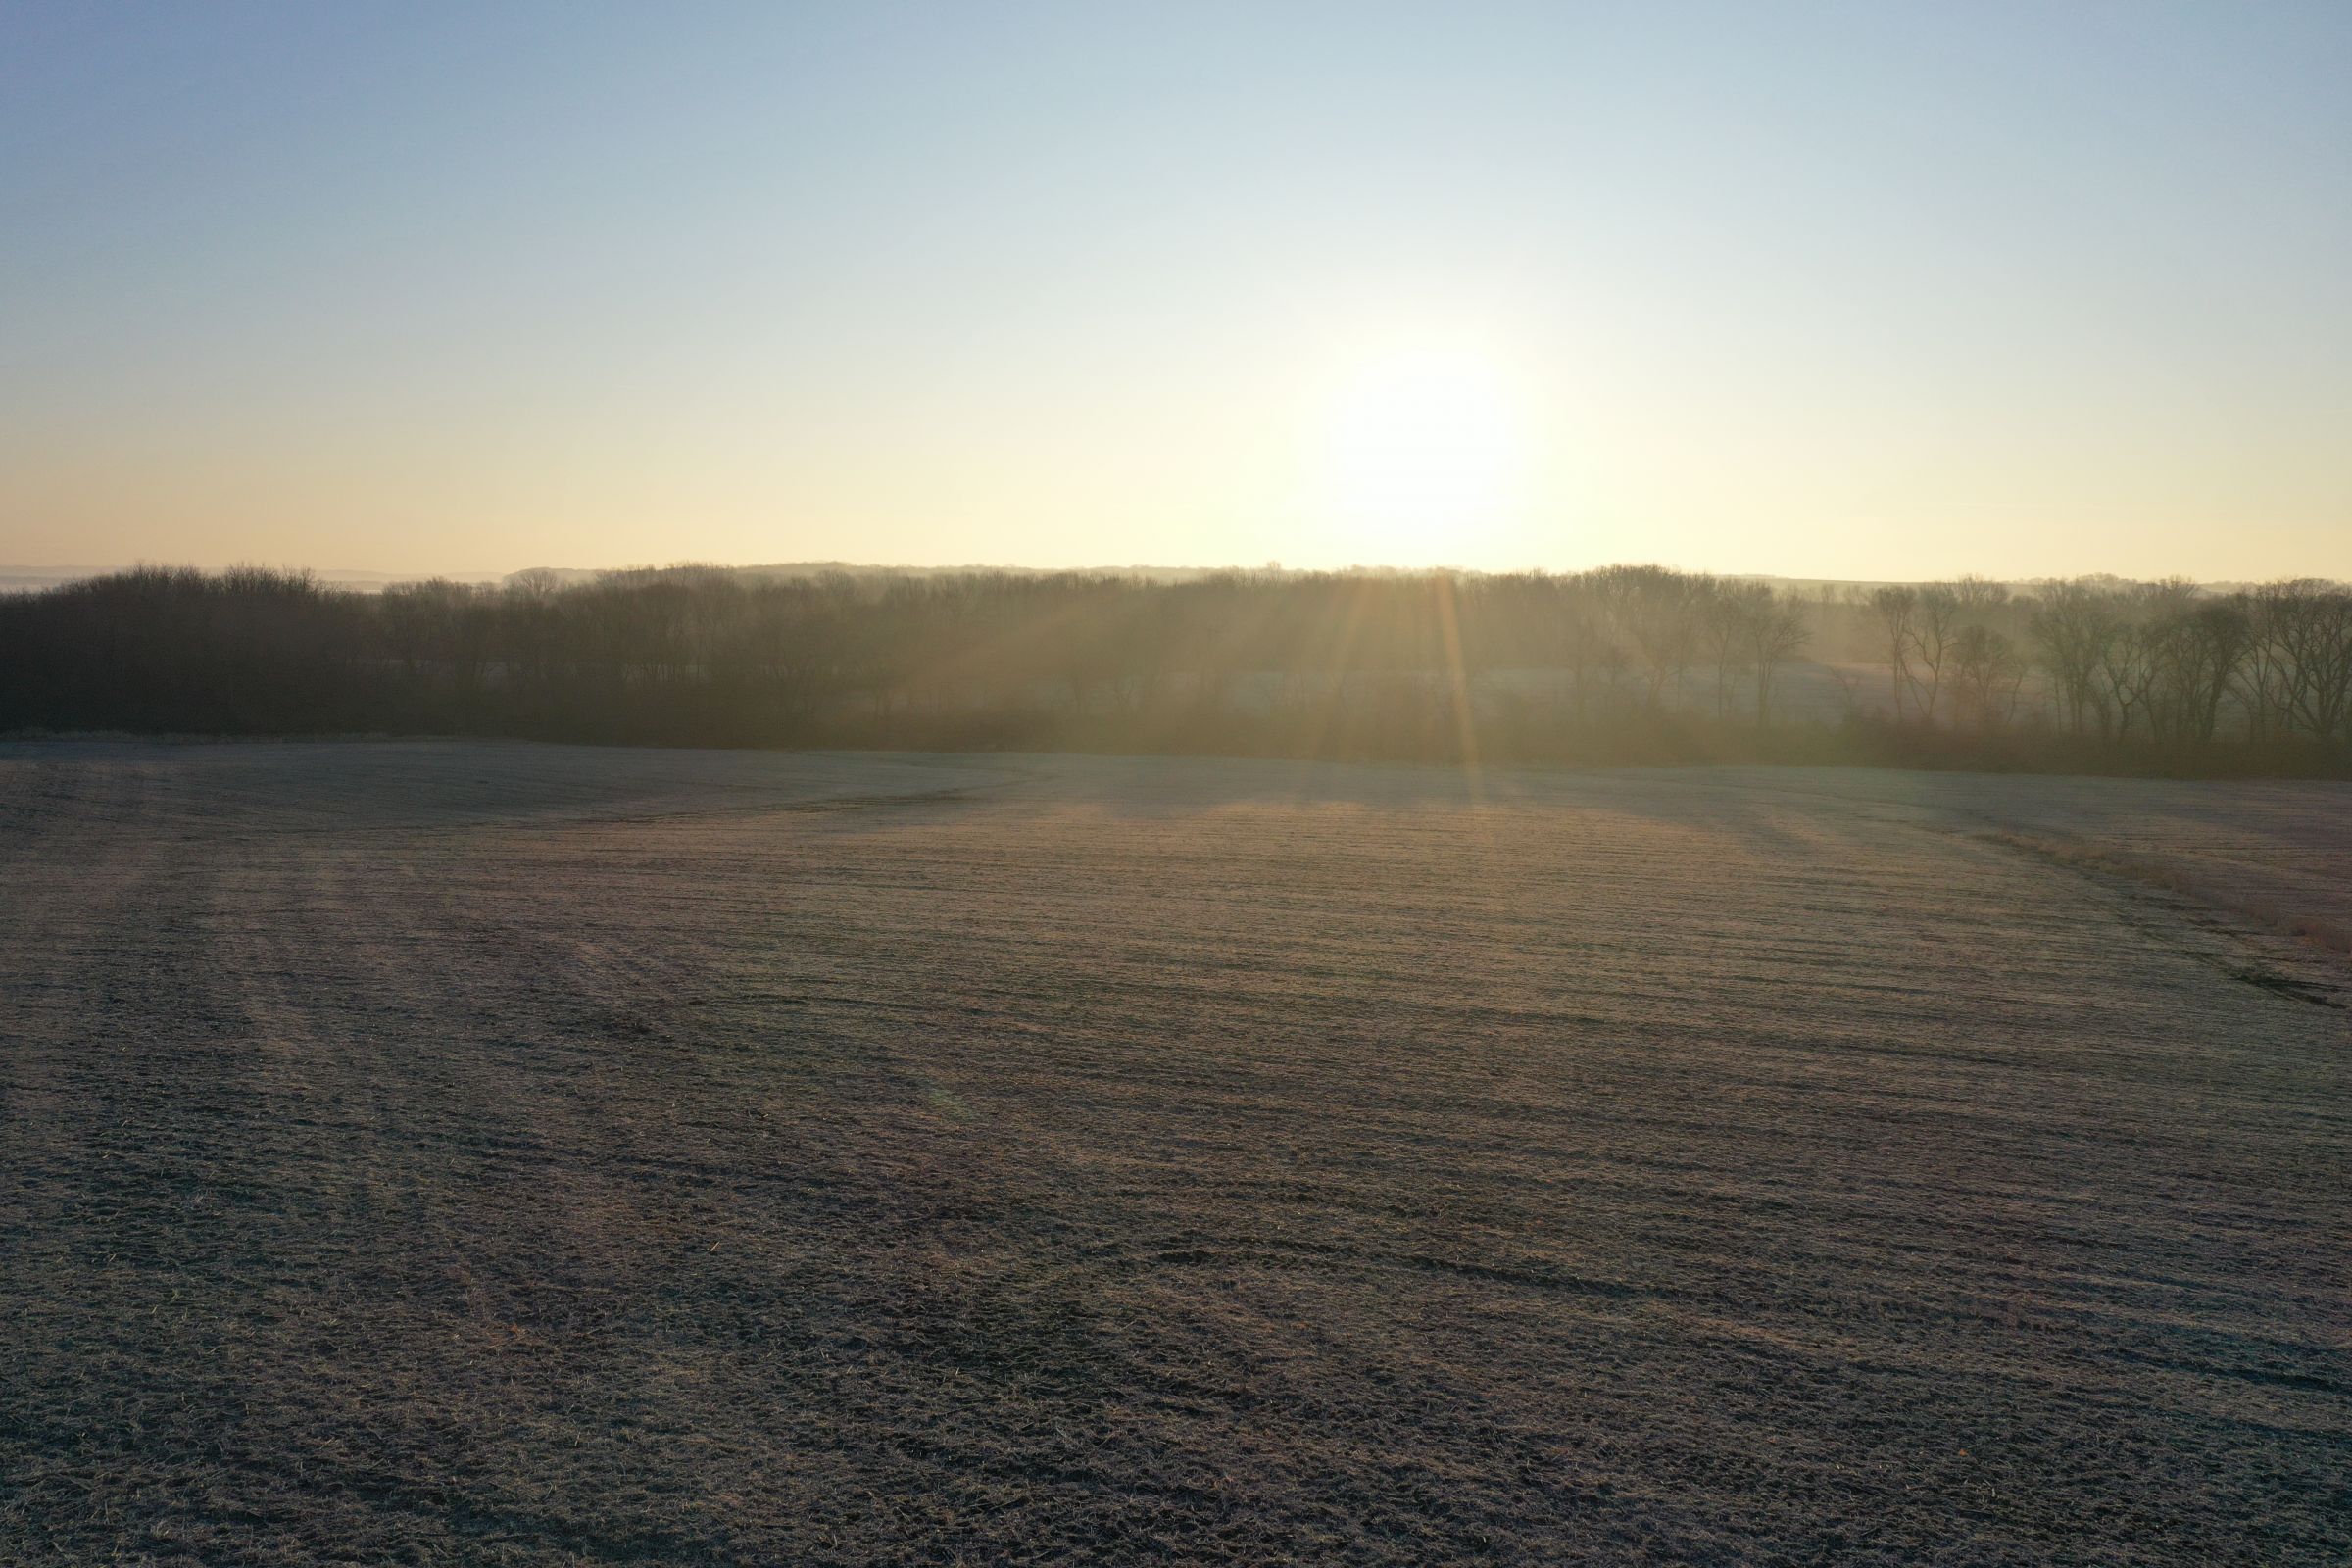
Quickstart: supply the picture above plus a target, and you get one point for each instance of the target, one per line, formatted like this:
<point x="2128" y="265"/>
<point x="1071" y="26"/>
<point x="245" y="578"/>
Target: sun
<point x="1425" y="452"/>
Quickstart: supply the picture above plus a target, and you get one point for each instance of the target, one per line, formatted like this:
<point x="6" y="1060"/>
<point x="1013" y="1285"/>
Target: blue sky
<point x="1843" y="290"/>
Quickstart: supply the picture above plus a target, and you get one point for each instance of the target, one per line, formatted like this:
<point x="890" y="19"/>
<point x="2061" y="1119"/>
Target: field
<point x="472" y="1154"/>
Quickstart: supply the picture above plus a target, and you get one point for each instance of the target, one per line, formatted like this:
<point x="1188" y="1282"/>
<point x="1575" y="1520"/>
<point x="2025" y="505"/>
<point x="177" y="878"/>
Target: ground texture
<point x="512" y="1154"/>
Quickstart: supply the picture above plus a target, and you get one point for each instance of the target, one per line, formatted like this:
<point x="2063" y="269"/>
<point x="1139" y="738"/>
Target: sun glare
<point x="1427" y="453"/>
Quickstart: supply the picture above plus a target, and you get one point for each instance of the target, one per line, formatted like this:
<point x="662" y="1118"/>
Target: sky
<point x="1864" y="291"/>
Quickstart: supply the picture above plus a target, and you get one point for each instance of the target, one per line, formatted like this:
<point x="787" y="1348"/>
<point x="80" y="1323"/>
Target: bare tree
<point x="2072" y="623"/>
<point x="1979" y="596"/>
<point x="2127" y="669"/>
<point x="1775" y="630"/>
<point x="1898" y="607"/>
<point x="1936" y="622"/>
<point x="2265" y="673"/>
<point x="1656" y="613"/>
<point x="1987" y="671"/>
<point x="2316" y="632"/>
<point x="1724" y="634"/>
<point x="2201" y="649"/>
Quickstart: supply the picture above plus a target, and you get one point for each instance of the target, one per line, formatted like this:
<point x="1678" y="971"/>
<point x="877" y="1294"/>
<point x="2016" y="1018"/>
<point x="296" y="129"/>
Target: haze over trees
<point x="1622" y="662"/>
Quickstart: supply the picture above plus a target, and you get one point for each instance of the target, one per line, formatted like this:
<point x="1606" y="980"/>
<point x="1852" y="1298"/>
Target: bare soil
<point x="510" y="1154"/>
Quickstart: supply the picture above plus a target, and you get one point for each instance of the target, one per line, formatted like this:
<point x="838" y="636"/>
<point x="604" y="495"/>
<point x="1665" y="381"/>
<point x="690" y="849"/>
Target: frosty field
<point x="451" y="1153"/>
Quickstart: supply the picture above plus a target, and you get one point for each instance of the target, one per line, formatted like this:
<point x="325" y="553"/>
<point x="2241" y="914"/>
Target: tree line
<point x="1628" y="663"/>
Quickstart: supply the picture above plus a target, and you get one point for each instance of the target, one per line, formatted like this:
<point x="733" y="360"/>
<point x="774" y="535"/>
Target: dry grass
<point x="2265" y="911"/>
<point x="507" y="1154"/>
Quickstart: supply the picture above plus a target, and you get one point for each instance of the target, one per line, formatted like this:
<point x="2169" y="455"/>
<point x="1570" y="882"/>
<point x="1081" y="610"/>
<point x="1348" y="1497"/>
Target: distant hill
<point x="570" y="575"/>
<point x="32" y="579"/>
